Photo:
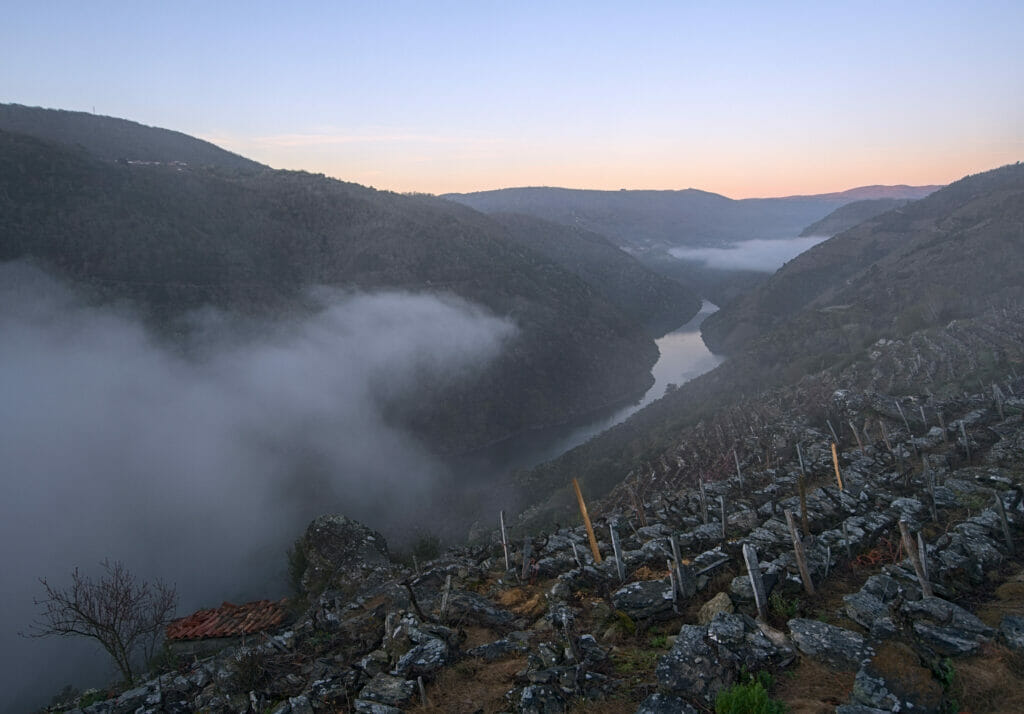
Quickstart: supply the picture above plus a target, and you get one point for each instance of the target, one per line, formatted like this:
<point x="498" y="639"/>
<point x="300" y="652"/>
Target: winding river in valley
<point x="682" y="357"/>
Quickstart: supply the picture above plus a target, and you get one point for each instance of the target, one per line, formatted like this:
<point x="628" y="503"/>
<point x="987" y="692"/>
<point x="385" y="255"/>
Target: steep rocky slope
<point x="945" y="256"/>
<point x="666" y="622"/>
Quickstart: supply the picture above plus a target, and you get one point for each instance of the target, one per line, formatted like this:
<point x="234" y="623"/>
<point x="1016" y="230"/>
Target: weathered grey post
<point x="704" y="502"/>
<point x="801" y="557"/>
<point x="923" y="554"/>
<point x="998" y="394"/>
<point x="911" y="549"/>
<point x="673" y="583"/>
<point x="754" y="572"/>
<point x="846" y="541"/>
<point x="504" y="540"/>
<point x="967" y="444"/>
<point x="929" y="480"/>
<point x="444" y="597"/>
<point x="527" y="552"/>
<point x="576" y="556"/>
<point x="923" y="420"/>
<point x="801" y="485"/>
<point x="620" y="567"/>
<point x="856" y="435"/>
<point x="835" y="436"/>
<point x="885" y="436"/>
<point x="1001" y="512"/>
<point x="721" y="503"/>
<point x="903" y="416"/>
<point x="739" y="474"/>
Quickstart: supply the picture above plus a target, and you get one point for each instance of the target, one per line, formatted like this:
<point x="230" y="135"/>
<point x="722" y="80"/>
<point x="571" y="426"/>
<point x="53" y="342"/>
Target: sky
<point x="740" y="98"/>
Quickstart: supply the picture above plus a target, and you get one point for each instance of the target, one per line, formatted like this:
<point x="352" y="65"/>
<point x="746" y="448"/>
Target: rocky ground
<point x="674" y="621"/>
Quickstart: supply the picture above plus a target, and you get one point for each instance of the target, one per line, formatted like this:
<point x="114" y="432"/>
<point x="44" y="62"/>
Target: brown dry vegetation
<point x="812" y="688"/>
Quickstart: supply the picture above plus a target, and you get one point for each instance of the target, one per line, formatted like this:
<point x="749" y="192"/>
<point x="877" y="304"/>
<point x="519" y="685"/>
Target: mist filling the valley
<point x="760" y="255"/>
<point x="199" y="461"/>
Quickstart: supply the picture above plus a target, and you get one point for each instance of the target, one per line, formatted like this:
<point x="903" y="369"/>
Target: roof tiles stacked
<point x="229" y="620"/>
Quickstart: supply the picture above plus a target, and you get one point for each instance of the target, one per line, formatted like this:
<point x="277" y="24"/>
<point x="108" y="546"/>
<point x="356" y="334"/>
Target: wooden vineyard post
<point x="721" y="504"/>
<point x="445" y="598"/>
<point x="856" y="435"/>
<point x="835" y="462"/>
<point x="739" y="474"/>
<point x="1001" y="512"/>
<point x="703" y="502"/>
<point x="504" y="539"/>
<point x="620" y="567"/>
<point x="801" y="484"/>
<point x="910" y="547"/>
<point x="754" y="571"/>
<point x="967" y="444"/>
<point x="586" y="522"/>
<point x="801" y="557"/>
<point x="527" y="548"/>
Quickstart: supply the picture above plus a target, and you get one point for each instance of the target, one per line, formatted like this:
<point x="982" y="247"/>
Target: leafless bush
<point x="123" y="614"/>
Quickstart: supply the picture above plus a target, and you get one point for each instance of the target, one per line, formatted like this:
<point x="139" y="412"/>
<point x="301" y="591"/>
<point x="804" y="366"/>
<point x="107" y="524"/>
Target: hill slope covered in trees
<point x="175" y="238"/>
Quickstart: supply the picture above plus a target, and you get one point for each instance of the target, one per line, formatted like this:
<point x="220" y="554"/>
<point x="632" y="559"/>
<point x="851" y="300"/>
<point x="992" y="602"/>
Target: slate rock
<point x="539" y="699"/>
<point x="342" y="554"/>
<point x="423" y="659"/>
<point x="388" y="689"/>
<point x="741" y="590"/>
<point x="864" y="608"/>
<point x="839" y="648"/>
<point x="665" y="704"/>
<point x="692" y="667"/>
<point x="299" y="705"/>
<point x="366" y="706"/>
<point x="1011" y="630"/>
<point x="499" y="649"/>
<point x="644" y="599"/>
<point x="894" y="680"/>
<point x="471" y="608"/>
<point x="719" y="603"/>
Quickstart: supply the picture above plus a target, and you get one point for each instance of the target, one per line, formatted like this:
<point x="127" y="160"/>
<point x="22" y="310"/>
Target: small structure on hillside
<point x="207" y="631"/>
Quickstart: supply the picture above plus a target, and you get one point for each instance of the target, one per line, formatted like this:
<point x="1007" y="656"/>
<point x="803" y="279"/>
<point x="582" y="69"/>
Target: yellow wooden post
<point x="586" y="522"/>
<point x="835" y="462"/>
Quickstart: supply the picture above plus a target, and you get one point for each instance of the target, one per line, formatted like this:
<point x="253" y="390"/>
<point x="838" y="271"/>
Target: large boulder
<point x="339" y="553"/>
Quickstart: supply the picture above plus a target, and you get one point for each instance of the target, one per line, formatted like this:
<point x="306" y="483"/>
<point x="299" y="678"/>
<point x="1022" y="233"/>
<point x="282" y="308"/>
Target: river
<point x="682" y="357"/>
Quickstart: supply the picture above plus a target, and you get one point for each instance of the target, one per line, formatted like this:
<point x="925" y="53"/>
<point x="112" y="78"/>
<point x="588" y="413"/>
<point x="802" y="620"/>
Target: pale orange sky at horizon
<point x="408" y="163"/>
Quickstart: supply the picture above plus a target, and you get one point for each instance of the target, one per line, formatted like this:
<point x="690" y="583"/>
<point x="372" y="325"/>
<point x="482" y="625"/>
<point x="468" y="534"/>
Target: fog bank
<point x="760" y="255"/>
<point x="199" y="462"/>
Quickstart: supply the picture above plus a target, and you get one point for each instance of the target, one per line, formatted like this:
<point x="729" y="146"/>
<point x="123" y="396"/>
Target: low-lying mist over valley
<point x="764" y="256"/>
<point x="199" y="462"/>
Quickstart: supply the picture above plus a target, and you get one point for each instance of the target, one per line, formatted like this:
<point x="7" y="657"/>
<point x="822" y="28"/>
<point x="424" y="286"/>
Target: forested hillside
<point x="112" y="139"/>
<point x="173" y="238"/>
<point x="930" y="261"/>
<point x="645" y="297"/>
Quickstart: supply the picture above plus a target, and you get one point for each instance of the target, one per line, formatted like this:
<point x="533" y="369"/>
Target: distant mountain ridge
<point x="110" y="139"/>
<point x="650" y="220"/>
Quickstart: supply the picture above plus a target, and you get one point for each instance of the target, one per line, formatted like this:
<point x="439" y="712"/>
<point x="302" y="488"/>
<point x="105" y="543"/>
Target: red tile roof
<point x="229" y="620"/>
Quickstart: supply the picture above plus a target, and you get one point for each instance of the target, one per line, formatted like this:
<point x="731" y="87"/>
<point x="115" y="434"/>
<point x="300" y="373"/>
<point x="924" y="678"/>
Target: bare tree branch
<point x="124" y="615"/>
